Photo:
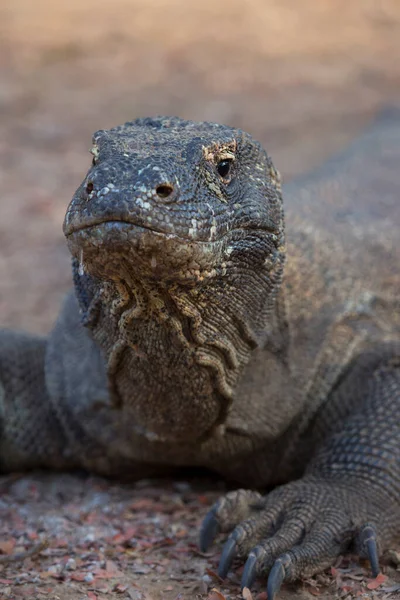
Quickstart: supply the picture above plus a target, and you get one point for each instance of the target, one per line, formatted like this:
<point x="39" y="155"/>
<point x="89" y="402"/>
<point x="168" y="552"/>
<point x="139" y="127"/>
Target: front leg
<point x="30" y="434"/>
<point x="348" y="496"/>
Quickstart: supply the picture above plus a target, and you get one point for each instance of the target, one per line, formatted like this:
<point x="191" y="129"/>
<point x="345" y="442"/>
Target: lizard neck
<point x="175" y="353"/>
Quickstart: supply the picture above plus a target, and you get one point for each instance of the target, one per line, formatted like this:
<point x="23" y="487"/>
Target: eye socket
<point x="224" y="167"/>
<point x="89" y="187"/>
<point x="164" y="190"/>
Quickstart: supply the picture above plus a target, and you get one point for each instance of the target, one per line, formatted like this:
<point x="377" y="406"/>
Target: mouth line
<point x="114" y="221"/>
<point x="165" y="234"/>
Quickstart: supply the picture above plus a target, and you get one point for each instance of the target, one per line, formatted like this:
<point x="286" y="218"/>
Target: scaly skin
<point x="189" y="341"/>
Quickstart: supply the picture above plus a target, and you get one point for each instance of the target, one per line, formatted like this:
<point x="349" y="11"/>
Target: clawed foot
<point x="295" y="531"/>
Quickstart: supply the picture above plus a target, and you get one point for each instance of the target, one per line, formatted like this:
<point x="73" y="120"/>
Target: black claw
<point x="209" y="530"/>
<point x="275" y="579"/>
<point x="228" y="554"/>
<point x="249" y="572"/>
<point x="368" y="541"/>
<point x="372" y="552"/>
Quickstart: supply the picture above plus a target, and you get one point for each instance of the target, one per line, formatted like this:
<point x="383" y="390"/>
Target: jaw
<point x="115" y="250"/>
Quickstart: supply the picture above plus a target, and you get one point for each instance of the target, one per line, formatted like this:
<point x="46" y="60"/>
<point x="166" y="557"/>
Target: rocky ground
<point x="304" y="78"/>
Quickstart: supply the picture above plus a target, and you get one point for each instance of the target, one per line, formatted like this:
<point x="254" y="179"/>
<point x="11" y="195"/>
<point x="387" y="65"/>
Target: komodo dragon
<point x="201" y="334"/>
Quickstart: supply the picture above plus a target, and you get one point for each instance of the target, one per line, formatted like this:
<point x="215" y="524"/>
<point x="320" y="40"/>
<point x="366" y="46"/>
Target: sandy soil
<point x="304" y="77"/>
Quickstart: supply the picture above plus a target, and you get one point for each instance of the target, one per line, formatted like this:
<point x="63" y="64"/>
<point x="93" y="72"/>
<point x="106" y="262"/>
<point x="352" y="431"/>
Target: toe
<point x="250" y="533"/>
<point x="314" y="554"/>
<point x="230" y="510"/>
<point x="301" y="546"/>
<point x="319" y="548"/>
<point x="262" y="558"/>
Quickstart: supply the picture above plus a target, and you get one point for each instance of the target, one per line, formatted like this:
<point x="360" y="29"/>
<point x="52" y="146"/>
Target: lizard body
<point x="207" y="330"/>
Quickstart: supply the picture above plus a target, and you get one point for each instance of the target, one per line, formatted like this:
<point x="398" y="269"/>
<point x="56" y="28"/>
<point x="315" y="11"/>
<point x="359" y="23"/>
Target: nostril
<point x="164" y="190"/>
<point x="89" y="187"/>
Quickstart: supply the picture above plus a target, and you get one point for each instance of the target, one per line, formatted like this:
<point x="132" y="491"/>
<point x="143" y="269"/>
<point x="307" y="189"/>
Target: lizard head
<point x="178" y="228"/>
<point x="165" y="193"/>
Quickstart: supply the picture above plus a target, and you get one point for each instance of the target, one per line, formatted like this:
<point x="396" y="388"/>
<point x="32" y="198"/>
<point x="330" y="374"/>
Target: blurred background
<point x="304" y="77"/>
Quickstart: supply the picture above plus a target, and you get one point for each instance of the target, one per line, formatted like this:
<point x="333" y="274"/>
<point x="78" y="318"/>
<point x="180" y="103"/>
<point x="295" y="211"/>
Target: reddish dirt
<point x="304" y="77"/>
<point x="137" y="542"/>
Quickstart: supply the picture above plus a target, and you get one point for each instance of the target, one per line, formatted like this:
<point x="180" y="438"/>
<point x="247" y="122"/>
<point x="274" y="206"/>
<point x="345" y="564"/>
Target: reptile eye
<point x="223" y="168"/>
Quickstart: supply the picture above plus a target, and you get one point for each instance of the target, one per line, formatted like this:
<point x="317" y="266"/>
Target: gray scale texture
<point x="208" y="329"/>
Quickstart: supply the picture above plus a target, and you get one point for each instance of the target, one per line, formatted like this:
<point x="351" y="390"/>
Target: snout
<point x="116" y="249"/>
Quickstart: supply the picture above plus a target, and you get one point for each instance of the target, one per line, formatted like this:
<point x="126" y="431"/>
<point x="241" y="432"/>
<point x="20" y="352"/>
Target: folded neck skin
<point x="177" y="269"/>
